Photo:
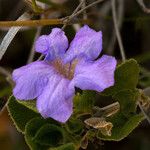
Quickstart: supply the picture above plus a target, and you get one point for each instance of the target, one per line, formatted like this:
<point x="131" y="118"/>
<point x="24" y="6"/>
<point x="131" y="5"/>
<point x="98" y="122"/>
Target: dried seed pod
<point x="107" y="111"/>
<point x="100" y="124"/>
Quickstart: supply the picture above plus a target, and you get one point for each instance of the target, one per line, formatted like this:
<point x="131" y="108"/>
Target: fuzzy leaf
<point x="20" y="114"/>
<point x="85" y="101"/>
<point x="126" y="77"/>
<point x="32" y="128"/>
<point x="127" y="100"/>
<point x="74" y="126"/>
<point x="122" y="127"/>
<point x="49" y="134"/>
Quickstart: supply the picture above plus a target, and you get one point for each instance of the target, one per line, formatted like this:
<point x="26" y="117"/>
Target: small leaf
<point x="49" y="134"/>
<point x="69" y="146"/>
<point x="126" y="77"/>
<point x="127" y="100"/>
<point x="32" y="128"/>
<point x="85" y="101"/>
<point x="122" y="127"/>
<point x="20" y="114"/>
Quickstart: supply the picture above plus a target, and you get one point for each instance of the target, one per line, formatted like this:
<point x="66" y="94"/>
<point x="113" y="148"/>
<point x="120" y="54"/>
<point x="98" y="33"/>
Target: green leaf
<point x="31" y="104"/>
<point x="122" y="127"/>
<point x="69" y="146"/>
<point x="127" y="100"/>
<point x="85" y="101"/>
<point x="74" y="126"/>
<point x="32" y="128"/>
<point x="20" y="114"/>
<point x="49" y="134"/>
<point x="126" y="77"/>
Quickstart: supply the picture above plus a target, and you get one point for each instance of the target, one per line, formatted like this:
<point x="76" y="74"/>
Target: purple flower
<point x="53" y="80"/>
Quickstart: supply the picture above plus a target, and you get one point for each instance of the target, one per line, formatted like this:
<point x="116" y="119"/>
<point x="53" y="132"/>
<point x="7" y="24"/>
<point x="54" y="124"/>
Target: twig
<point x="10" y="35"/>
<point x="39" y="29"/>
<point x="43" y="22"/>
<point x="120" y="13"/>
<point x="83" y="6"/>
<point x="81" y="11"/>
<point x="33" y="23"/>
<point x="32" y="52"/>
<point x="6" y="73"/>
<point x="71" y="16"/>
<point x="41" y="57"/>
<point x="4" y="108"/>
<point x="145" y="9"/>
<point x="113" y="4"/>
<point x="87" y="7"/>
<point x="144" y="113"/>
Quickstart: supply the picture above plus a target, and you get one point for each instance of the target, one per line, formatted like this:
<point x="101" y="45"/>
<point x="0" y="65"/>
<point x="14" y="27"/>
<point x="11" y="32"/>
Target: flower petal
<point x="86" y="44"/>
<point x="56" y="99"/>
<point x="31" y="79"/>
<point x="95" y="75"/>
<point x="42" y="44"/>
<point x="52" y="45"/>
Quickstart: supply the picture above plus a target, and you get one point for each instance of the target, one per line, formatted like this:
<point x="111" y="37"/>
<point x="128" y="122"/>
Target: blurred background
<point x="134" y="26"/>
